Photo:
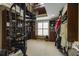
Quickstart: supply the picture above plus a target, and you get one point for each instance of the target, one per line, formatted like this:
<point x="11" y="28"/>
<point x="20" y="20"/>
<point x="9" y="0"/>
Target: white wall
<point x="42" y="18"/>
<point x="64" y="9"/>
<point x="63" y="34"/>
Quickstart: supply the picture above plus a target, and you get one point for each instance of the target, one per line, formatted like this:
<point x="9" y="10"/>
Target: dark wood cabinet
<point x="4" y="32"/>
<point x="52" y="34"/>
<point x="72" y="13"/>
<point x="31" y="29"/>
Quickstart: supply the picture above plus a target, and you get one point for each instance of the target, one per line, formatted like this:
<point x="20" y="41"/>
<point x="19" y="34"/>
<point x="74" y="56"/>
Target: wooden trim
<point x="4" y="19"/>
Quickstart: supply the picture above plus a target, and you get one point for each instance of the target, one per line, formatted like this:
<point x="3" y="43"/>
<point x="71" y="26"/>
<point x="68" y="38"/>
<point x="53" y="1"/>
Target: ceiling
<point x="53" y="9"/>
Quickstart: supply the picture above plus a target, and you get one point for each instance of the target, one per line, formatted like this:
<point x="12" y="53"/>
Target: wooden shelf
<point x="14" y="31"/>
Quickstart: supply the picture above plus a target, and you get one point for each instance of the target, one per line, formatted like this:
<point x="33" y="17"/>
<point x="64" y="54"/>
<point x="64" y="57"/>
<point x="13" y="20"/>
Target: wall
<point x="64" y="9"/>
<point x="63" y="34"/>
<point x="63" y="31"/>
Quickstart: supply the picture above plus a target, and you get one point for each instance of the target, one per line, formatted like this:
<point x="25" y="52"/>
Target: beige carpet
<point x="42" y="48"/>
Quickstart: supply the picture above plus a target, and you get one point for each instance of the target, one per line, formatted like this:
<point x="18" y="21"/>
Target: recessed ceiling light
<point x="41" y="3"/>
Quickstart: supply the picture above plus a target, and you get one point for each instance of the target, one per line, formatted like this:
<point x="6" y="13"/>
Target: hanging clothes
<point x="58" y="38"/>
<point x="57" y="25"/>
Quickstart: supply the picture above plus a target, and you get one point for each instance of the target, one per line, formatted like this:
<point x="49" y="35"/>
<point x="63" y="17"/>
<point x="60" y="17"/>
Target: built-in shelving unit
<point x="16" y="28"/>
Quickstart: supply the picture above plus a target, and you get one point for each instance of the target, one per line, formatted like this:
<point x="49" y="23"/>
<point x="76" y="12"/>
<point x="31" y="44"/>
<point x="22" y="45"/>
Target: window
<point x="43" y="28"/>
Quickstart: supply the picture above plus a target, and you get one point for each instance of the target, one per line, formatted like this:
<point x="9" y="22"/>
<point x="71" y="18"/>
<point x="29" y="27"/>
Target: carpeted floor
<point x="42" y="48"/>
